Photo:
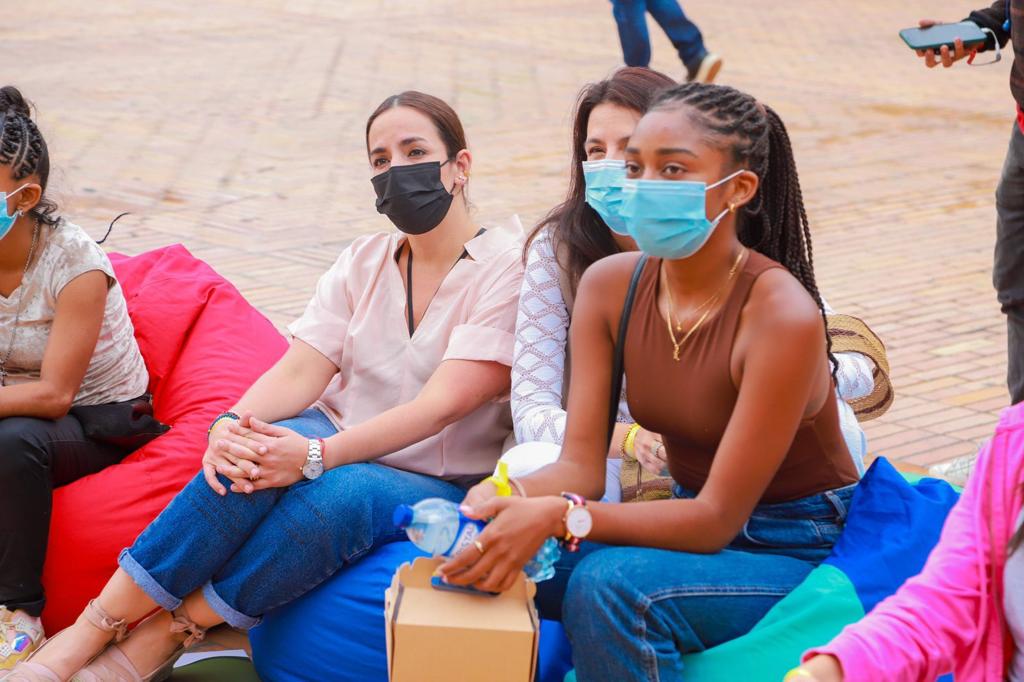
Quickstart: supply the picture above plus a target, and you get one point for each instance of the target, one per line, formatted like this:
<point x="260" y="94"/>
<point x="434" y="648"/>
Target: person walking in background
<point x="631" y="17"/>
<point x="1005" y="20"/>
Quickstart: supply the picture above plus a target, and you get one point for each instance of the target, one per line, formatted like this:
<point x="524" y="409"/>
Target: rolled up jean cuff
<point x="146" y="582"/>
<point x="234" y="618"/>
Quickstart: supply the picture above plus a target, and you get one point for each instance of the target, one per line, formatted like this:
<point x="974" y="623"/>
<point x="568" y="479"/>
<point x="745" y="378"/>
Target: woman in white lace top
<point x="570" y="238"/>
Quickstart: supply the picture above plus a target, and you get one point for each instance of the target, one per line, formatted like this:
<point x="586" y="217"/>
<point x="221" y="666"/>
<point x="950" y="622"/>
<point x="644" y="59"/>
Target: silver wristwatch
<point x="314" y="465"/>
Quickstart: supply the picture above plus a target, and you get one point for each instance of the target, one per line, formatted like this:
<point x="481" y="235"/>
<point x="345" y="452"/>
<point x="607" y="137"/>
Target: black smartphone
<point x="934" y="37"/>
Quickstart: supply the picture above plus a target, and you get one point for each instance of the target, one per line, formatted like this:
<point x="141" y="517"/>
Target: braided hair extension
<point x="775" y="222"/>
<point x="23" y="149"/>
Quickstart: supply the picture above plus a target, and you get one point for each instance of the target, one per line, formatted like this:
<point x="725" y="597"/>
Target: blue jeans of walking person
<point x="630" y="16"/>
<point x="631" y="612"/>
<point x="252" y="553"/>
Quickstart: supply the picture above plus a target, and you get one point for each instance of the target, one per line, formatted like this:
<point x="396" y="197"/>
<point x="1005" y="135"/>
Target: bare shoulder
<point x="609" y="276"/>
<point x="780" y="305"/>
<point x="603" y="287"/>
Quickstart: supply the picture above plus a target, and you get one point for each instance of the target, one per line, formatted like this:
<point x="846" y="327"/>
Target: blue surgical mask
<point x="7" y="221"/>
<point x="604" y="180"/>
<point x="668" y="219"/>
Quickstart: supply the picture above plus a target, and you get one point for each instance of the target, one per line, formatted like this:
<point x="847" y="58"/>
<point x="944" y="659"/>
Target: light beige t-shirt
<point x="357" y="320"/>
<point x="116" y="371"/>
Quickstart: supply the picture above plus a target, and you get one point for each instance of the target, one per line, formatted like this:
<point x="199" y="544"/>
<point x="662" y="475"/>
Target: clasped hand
<point x="253" y="455"/>
<point x="518" y="528"/>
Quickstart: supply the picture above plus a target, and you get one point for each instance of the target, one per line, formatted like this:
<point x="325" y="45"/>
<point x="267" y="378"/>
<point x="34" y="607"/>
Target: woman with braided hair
<point x="586" y="227"/>
<point x="67" y="347"/>
<point x="726" y="355"/>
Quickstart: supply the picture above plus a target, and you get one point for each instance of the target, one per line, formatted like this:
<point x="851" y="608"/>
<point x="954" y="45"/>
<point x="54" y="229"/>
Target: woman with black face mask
<point x="392" y="391"/>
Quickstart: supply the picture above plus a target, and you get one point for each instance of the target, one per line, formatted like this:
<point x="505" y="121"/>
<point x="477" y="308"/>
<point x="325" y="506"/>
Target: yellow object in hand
<point x="500" y="480"/>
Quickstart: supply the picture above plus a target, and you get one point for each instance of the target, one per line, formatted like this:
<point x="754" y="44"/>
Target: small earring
<point x="732" y="207"/>
<point x="463" y="178"/>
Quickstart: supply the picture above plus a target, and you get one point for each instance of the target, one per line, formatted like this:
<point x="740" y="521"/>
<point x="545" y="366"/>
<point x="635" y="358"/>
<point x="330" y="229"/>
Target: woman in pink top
<point x="399" y="372"/>
<point x="963" y="613"/>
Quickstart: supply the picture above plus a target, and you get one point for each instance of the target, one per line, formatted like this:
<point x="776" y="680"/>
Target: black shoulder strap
<point x="620" y="343"/>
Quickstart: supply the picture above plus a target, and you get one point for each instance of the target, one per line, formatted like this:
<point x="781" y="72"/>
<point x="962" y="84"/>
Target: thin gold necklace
<point x="678" y="345"/>
<point x="713" y="297"/>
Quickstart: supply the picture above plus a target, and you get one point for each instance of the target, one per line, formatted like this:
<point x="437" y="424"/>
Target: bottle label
<point x="469" y="530"/>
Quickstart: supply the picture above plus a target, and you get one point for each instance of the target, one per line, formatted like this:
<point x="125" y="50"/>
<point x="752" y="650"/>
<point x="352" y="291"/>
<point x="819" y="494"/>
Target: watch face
<point x="579" y="522"/>
<point x="313" y="469"/>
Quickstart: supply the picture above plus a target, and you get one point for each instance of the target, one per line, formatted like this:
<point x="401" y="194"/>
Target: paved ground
<point x="235" y="127"/>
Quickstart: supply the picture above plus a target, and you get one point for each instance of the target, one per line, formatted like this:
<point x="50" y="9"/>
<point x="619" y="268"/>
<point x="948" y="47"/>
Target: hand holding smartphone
<point x="946" y="43"/>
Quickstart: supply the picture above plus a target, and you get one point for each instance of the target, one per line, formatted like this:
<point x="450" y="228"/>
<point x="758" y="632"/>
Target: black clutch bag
<point x="128" y="425"/>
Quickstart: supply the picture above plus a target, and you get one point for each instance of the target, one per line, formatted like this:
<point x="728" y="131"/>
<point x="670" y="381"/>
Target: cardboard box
<point x="441" y="636"/>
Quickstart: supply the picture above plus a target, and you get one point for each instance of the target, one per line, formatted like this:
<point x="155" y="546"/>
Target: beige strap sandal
<point x="29" y="671"/>
<point x="113" y="666"/>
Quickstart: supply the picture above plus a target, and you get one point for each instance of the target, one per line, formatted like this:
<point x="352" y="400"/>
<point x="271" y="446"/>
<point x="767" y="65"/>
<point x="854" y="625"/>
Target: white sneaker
<point x="20" y="635"/>
<point x="708" y="69"/>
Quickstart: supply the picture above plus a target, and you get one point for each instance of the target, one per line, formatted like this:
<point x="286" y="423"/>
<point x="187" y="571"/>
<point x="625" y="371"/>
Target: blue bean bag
<point x="336" y="631"/>
<point x="894" y="522"/>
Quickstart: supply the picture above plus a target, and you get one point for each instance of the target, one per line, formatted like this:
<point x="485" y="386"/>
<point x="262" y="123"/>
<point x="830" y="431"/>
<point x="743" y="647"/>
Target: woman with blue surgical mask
<point x="586" y="227"/>
<point x="67" y="356"/>
<point x="726" y="355"/>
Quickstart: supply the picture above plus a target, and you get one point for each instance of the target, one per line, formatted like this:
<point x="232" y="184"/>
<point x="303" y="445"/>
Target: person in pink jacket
<point x="964" y="613"/>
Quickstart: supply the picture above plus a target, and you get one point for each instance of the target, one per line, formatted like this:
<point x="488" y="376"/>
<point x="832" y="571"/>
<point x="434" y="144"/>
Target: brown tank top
<point x="690" y="402"/>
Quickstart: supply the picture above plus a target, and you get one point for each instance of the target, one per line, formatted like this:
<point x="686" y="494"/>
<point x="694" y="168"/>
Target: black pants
<point x="1008" y="272"/>
<point x="36" y="456"/>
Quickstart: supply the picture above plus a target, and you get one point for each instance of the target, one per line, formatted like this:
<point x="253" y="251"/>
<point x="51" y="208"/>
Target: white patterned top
<point x="538" y="360"/>
<point x="116" y="371"/>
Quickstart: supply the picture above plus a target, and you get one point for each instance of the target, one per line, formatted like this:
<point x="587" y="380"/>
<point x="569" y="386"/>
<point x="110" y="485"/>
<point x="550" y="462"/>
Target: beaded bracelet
<point x="221" y="417"/>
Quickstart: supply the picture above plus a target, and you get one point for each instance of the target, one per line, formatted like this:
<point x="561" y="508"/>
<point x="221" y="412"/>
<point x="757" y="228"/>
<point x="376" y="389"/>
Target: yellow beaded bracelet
<point x="797" y="672"/>
<point x="628" y="443"/>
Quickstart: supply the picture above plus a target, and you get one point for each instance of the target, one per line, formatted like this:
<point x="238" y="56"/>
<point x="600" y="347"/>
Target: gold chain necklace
<point x="713" y="297"/>
<point x="673" y="327"/>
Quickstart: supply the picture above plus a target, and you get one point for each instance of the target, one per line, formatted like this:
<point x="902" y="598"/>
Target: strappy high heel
<point x="113" y="666"/>
<point x="30" y="671"/>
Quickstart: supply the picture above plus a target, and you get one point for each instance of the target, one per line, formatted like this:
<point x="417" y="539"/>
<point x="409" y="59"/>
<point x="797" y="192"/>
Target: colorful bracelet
<point x="628" y="443"/>
<point x="221" y="417"/>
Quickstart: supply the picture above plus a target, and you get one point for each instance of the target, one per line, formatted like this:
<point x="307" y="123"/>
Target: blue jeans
<point x="632" y="612"/>
<point x="630" y="16"/>
<point x="252" y="553"/>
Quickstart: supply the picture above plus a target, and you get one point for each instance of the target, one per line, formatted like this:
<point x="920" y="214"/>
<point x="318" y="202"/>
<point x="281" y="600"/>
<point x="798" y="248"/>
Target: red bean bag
<point x="204" y="345"/>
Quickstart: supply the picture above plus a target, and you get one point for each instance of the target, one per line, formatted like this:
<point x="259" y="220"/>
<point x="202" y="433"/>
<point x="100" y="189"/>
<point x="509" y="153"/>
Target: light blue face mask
<point x="7" y="221"/>
<point x="668" y="219"/>
<point x="604" y="180"/>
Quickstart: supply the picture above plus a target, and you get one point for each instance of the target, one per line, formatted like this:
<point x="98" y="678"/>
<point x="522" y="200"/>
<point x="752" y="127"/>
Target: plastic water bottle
<point x="438" y="527"/>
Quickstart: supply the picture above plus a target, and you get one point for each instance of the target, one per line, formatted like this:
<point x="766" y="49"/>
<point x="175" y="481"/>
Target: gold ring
<point x="479" y="545"/>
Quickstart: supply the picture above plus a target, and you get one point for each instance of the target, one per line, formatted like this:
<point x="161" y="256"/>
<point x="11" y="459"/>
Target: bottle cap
<point x="500" y="480"/>
<point x="402" y="516"/>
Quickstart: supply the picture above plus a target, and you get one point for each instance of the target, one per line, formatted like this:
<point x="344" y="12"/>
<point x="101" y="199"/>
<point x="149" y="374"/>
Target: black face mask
<point x="413" y="196"/>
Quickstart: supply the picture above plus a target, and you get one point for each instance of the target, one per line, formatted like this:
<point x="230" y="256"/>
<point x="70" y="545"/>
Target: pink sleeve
<point x="324" y="324"/>
<point x="935" y="618"/>
<point x="488" y="334"/>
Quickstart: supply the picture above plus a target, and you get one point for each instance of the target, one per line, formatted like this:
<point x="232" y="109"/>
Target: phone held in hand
<point x="934" y="37"/>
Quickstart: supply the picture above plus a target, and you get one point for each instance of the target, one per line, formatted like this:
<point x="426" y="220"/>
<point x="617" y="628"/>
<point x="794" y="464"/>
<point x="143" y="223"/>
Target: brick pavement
<point x="236" y="127"/>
